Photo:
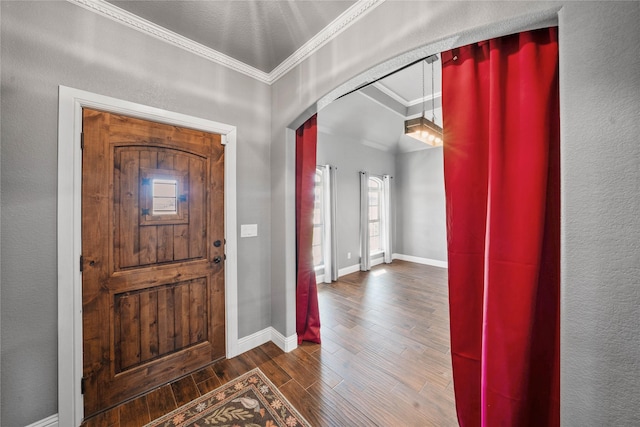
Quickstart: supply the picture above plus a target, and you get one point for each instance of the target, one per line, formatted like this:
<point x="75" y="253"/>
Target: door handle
<point x="217" y="259"/>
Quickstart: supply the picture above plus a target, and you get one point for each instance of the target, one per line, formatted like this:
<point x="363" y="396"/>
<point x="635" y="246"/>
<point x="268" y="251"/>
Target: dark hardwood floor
<point x="384" y="360"/>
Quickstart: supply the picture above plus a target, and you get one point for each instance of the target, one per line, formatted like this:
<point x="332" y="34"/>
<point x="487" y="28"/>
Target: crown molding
<point x="124" y="17"/>
<point x="384" y="104"/>
<point x="338" y="25"/>
<point x="349" y="17"/>
<point x="382" y="88"/>
<point x="407" y="103"/>
<point x="425" y="99"/>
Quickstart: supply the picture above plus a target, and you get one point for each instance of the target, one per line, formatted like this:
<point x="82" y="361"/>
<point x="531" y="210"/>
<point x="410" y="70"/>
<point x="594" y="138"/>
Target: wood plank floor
<point x="384" y="360"/>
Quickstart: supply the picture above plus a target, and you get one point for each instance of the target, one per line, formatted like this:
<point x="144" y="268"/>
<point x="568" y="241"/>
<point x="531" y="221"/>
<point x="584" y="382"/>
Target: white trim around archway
<point x="71" y="102"/>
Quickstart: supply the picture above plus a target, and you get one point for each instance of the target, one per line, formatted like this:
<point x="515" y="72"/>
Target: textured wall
<point x="351" y="157"/>
<point x="421" y="226"/>
<point x="339" y="63"/>
<point x="46" y="44"/>
<point x="600" y="105"/>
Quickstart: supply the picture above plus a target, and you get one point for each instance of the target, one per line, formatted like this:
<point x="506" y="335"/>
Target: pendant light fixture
<point x="421" y="128"/>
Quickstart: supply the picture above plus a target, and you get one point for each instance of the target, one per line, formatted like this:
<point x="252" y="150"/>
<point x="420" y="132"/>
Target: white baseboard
<point x="356" y="267"/>
<point x="268" y="334"/>
<point x="320" y="279"/>
<point x="254" y="340"/>
<point x="377" y="261"/>
<point x="418" y="260"/>
<point x="51" y="421"/>
<point x="287" y="344"/>
<point x="348" y="270"/>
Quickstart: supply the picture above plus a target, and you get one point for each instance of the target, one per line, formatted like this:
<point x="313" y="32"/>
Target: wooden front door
<point x="153" y="255"/>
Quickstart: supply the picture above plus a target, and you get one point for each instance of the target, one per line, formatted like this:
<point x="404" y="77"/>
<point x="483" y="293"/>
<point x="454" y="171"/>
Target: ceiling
<point x="375" y="115"/>
<point x="265" y="34"/>
<point x="261" y="34"/>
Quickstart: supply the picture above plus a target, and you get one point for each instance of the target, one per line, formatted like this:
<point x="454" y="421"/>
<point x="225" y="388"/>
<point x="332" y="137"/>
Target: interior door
<point x="153" y="255"/>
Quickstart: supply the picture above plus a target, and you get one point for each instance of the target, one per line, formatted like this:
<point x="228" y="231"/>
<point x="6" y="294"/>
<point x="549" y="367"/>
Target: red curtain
<point x="307" y="312"/>
<point x="502" y="182"/>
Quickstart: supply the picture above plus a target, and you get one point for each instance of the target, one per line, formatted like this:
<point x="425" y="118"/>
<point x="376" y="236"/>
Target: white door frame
<point x="71" y="102"/>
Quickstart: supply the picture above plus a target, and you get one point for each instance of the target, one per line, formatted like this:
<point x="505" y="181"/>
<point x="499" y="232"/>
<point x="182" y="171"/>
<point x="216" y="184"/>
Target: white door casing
<point x="71" y="102"/>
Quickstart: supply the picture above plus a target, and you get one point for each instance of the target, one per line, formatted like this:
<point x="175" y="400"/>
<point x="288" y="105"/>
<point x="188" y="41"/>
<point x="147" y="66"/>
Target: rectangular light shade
<point x="424" y="130"/>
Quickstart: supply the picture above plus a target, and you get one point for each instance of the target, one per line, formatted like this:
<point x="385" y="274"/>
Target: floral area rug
<point x="250" y="400"/>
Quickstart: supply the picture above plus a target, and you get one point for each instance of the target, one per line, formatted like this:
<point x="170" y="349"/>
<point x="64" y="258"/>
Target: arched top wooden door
<point x="153" y="255"/>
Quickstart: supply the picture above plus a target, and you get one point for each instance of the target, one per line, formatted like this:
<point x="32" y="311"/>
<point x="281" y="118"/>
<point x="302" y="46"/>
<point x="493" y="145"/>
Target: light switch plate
<point x="248" y="230"/>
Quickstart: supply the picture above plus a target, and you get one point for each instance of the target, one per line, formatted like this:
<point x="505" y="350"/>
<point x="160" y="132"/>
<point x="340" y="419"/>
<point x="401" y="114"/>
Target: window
<point x="165" y="196"/>
<point x="375" y="211"/>
<point x="318" y="222"/>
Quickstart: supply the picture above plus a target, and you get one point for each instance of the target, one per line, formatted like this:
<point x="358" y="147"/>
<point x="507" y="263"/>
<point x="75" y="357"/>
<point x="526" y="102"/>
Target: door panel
<point x="153" y="293"/>
<point x="157" y="321"/>
<point x="143" y="238"/>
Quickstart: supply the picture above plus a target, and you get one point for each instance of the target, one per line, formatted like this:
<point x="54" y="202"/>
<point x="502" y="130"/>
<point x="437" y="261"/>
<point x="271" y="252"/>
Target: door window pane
<point x="165" y="195"/>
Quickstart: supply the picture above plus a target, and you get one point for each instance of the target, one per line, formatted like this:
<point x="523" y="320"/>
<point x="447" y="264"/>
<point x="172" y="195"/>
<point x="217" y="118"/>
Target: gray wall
<point x="599" y="100"/>
<point x="421" y="226"/>
<point x="47" y="44"/>
<point x="351" y="157"/>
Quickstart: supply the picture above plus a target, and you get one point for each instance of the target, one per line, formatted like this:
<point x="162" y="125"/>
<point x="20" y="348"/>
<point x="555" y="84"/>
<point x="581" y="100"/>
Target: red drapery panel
<point x="502" y="182"/>
<point x="307" y="312"/>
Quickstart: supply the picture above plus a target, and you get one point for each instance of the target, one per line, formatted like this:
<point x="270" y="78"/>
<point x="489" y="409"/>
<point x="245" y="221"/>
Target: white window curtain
<point x="329" y="245"/>
<point x="365" y="256"/>
<point x="385" y="223"/>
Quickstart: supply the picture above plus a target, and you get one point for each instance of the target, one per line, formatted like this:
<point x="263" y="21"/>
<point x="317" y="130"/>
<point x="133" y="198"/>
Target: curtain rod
<point x="429" y="59"/>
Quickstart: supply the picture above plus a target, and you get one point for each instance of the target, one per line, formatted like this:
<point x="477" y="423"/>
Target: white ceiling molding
<point x="382" y="88"/>
<point x="407" y="103"/>
<point x="338" y="25"/>
<point x="385" y="105"/>
<point x="122" y="16"/>
<point x="341" y="23"/>
<point x="425" y="99"/>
